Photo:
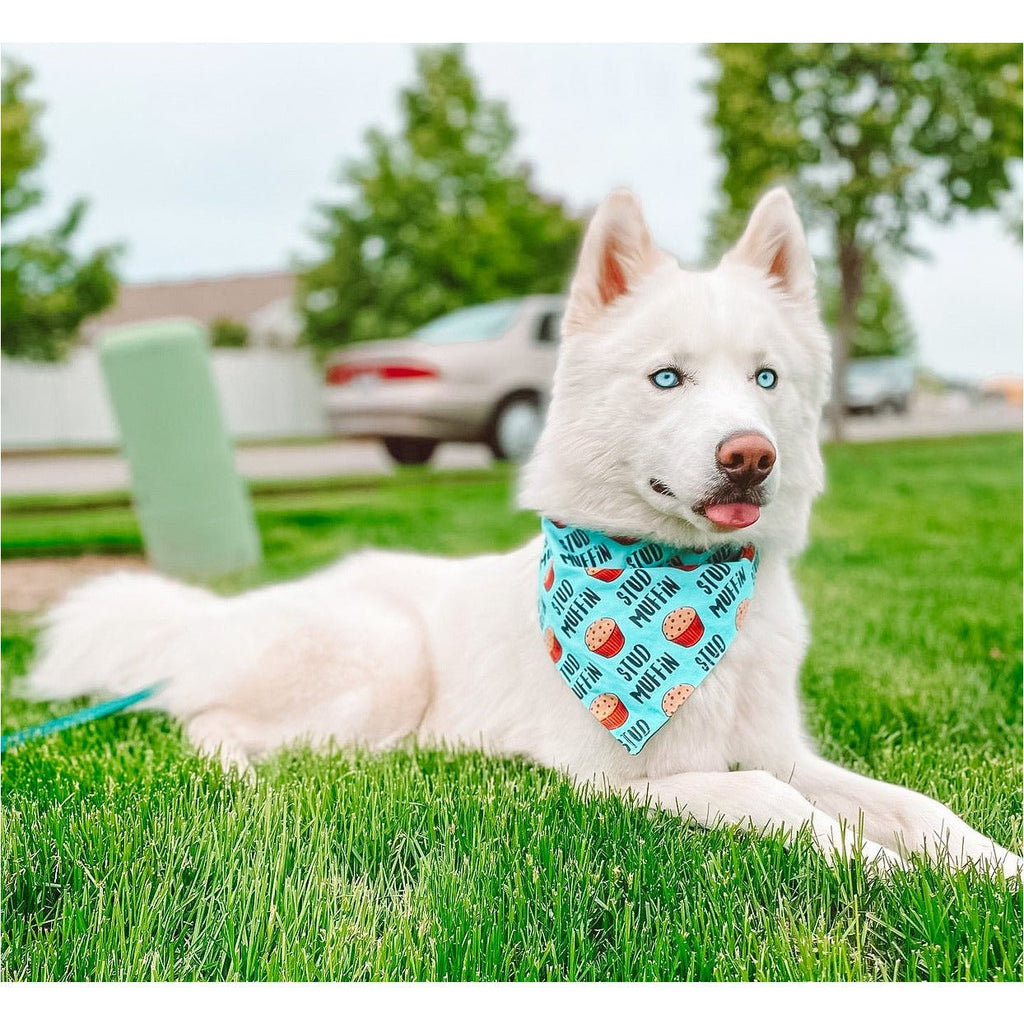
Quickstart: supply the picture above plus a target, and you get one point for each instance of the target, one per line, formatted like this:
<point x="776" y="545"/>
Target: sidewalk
<point x="74" y="474"/>
<point x="79" y="474"/>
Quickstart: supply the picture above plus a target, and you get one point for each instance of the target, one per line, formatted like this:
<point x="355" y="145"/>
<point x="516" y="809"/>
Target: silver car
<point x="880" y="385"/>
<point x="482" y="373"/>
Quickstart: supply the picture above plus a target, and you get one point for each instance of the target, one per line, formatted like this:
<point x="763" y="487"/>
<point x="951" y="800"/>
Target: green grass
<point x="126" y="857"/>
<point x="302" y="527"/>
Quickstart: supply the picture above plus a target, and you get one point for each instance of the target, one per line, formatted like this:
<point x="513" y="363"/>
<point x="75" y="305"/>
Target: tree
<point x="437" y="217"/>
<point x="870" y="137"/>
<point x="226" y="333"/>
<point x="47" y="290"/>
<point x="882" y="326"/>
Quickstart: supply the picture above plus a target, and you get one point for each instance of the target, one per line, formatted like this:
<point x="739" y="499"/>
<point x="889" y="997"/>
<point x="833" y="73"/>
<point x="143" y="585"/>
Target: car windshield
<point x="860" y="374"/>
<point x="864" y="371"/>
<point x="475" y="323"/>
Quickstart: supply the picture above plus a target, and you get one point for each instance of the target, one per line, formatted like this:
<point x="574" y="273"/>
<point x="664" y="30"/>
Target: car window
<point x="474" y="323"/>
<point x="548" y="327"/>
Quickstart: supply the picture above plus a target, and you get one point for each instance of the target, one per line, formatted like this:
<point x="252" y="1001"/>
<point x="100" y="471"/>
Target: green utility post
<point x="193" y="508"/>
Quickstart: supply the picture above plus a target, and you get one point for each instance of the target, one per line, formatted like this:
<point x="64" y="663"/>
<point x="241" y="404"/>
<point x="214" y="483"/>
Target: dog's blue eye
<point x="666" y="379"/>
<point x="766" y="378"/>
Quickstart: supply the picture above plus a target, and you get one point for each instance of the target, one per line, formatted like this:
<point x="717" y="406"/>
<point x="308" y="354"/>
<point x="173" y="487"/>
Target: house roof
<point x="236" y="298"/>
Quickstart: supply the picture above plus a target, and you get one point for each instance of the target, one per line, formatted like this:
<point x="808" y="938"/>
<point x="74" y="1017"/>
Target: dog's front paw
<point x="984" y="856"/>
<point x="1003" y="864"/>
<point x="876" y="861"/>
<point x="879" y="861"/>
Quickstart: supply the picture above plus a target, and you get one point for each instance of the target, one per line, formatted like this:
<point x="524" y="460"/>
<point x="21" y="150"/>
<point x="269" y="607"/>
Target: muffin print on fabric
<point x="635" y="627"/>
<point x="673" y="700"/>
<point x="554" y="647"/>
<point x="609" y="711"/>
<point x="604" y="575"/>
<point x="604" y="637"/>
<point x="683" y="626"/>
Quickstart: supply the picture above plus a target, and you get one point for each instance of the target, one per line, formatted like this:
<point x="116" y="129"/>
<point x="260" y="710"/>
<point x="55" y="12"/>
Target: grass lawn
<point x="125" y="857"/>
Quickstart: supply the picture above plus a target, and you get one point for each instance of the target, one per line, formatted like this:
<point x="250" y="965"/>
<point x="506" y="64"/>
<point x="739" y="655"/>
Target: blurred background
<point x="377" y="238"/>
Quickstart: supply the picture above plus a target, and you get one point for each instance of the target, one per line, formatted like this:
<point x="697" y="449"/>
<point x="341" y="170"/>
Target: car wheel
<point x="410" y="451"/>
<point x="517" y="425"/>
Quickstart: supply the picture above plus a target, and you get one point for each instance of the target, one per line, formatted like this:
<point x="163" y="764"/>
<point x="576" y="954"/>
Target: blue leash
<point x="109" y="707"/>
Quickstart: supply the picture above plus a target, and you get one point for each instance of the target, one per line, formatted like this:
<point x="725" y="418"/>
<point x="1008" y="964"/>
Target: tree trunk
<point x="851" y="287"/>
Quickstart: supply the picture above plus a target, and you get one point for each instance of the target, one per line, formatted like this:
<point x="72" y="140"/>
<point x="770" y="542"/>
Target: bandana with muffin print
<point x="635" y="626"/>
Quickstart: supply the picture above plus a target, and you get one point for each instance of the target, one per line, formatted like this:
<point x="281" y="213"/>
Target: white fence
<point x="265" y="394"/>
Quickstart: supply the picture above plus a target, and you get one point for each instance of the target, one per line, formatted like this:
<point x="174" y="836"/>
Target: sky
<point x="209" y="159"/>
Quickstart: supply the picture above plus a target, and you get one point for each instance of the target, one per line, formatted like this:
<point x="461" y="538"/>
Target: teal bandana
<point x="635" y="626"/>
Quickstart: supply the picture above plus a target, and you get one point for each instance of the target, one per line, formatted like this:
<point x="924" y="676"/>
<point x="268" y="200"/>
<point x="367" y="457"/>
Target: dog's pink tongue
<point x="733" y="517"/>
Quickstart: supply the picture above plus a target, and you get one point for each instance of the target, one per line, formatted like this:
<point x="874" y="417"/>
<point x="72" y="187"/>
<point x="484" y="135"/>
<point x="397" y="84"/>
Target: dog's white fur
<point x="383" y="646"/>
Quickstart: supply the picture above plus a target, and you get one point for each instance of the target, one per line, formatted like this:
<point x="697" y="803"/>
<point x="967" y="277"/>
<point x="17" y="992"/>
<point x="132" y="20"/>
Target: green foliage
<point x="438" y="217"/>
<point x="868" y="136"/>
<point x="228" y="334"/>
<point x="127" y="857"/>
<point x="23" y="147"/>
<point x="47" y="290"/>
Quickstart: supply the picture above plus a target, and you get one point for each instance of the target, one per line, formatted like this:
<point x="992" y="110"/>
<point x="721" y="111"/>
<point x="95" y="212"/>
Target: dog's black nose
<point x="745" y="458"/>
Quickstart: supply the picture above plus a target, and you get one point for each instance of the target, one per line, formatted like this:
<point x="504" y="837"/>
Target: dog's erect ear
<point x="617" y="251"/>
<point x="774" y="242"/>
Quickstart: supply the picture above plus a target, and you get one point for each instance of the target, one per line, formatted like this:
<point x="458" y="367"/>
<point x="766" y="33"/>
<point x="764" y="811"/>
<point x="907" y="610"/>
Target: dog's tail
<point x="119" y="633"/>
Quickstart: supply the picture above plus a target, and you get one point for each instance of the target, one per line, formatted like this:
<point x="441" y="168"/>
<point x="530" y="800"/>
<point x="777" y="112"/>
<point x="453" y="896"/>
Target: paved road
<point x="70" y="474"/>
<point x="79" y="474"/>
<point x="936" y="418"/>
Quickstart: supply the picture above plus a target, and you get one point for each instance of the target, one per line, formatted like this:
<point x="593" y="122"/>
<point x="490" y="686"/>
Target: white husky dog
<point x="385" y="646"/>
